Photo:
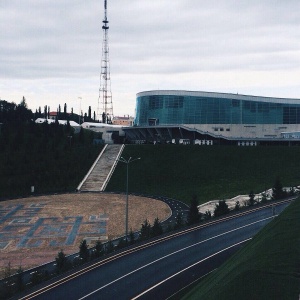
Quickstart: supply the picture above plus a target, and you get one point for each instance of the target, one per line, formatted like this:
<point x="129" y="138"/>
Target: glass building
<point x="184" y="107"/>
<point x="214" y="118"/>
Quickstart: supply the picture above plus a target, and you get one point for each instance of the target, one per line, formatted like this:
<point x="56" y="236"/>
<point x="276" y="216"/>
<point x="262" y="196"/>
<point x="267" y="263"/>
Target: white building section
<point x="107" y="130"/>
<point x="73" y="124"/>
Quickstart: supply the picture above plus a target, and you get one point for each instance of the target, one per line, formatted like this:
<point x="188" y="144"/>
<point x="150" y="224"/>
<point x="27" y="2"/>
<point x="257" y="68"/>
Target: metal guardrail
<point x="50" y="267"/>
<point x="112" y="169"/>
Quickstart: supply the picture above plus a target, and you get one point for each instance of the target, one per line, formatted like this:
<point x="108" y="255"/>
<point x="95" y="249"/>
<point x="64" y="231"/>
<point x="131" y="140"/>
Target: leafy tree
<point x="61" y="262"/>
<point x="221" y="208"/>
<point x="193" y="216"/>
<point x="277" y="190"/>
<point x="156" y="228"/>
<point x="145" y="230"/>
<point x="84" y="253"/>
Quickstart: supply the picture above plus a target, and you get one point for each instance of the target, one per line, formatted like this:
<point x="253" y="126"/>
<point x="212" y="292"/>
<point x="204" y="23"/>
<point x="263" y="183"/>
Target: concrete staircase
<point x="100" y="172"/>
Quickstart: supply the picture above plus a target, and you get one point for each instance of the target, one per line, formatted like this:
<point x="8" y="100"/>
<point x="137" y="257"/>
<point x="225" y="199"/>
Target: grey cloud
<point x="63" y="39"/>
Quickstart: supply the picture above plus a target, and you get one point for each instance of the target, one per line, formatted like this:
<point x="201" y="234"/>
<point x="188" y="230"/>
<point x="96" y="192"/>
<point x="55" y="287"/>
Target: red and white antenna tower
<point x="105" y="96"/>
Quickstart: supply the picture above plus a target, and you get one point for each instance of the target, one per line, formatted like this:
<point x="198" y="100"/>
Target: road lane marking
<point x="201" y="277"/>
<point x="148" y="244"/>
<point x="199" y="262"/>
<point x="170" y="254"/>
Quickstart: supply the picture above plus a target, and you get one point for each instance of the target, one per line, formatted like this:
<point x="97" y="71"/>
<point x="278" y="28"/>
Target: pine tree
<point x="145" y="230"/>
<point x="193" y="216"/>
<point x="99" y="248"/>
<point x="251" y="200"/>
<point x="207" y="215"/>
<point x="84" y="251"/>
<point x="61" y="262"/>
<point x="221" y="208"/>
<point x="109" y="247"/>
<point x="277" y="190"/>
<point x="90" y="113"/>
<point x="156" y="228"/>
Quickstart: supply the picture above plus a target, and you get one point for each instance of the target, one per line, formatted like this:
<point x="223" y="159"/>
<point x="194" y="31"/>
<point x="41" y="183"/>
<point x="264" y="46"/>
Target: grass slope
<point x="208" y="172"/>
<point x="267" y="268"/>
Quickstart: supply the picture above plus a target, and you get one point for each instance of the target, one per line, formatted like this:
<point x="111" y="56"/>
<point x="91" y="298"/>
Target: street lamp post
<point x="127" y="162"/>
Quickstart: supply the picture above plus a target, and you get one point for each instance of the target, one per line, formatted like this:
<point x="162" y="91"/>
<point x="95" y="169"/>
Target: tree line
<point x="50" y="157"/>
<point x="221" y="208"/>
<point x="11" y="112"/>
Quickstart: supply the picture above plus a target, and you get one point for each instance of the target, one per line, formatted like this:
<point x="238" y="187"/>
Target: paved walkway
<point x="100" y="172"/>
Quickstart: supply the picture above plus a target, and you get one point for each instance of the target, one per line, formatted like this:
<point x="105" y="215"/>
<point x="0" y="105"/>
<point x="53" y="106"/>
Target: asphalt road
<point x="155" y="271"/>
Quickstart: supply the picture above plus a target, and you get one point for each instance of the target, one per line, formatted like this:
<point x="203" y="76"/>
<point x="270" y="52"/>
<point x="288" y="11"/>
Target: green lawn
<point x="267" y="268"/>
<point x="208" y="172"/>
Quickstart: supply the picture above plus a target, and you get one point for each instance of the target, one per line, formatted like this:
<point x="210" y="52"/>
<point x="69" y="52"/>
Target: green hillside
<point x="49" y="157"/>
<point x="209" y="172"/>
<point x="267" y="268"/>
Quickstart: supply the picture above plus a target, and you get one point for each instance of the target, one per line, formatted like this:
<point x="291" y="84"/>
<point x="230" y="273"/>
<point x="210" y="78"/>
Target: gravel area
<point x="59" y="211"/>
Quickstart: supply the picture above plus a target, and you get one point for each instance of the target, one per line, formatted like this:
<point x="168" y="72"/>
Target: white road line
<point x="199" y="262"/>
<point x="175" y="252"/>
<point x="170" y="297"/>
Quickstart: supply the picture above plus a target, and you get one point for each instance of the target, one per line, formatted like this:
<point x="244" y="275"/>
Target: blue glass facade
<point x="171" y="107"/>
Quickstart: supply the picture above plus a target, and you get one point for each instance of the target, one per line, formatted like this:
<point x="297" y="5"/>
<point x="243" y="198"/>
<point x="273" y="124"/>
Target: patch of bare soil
<point x="34" y="233"/>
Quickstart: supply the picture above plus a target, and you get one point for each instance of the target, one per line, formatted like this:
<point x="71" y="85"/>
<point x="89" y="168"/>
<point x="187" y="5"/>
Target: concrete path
<point x="101" y="171"/>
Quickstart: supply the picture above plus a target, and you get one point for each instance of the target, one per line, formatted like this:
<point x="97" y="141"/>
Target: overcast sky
<point x="50" y="51"/>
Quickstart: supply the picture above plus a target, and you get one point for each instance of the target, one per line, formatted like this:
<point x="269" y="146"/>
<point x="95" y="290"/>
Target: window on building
<point x="174" y="102"/>
<point x="155" y="102"/>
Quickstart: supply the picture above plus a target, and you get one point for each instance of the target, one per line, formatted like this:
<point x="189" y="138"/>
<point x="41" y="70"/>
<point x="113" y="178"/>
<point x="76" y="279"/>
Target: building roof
<point x="62" y="122"/>
<point x="55" y="113"/>
<point x="100" y="125"/>
<point x="218" y="95"/>
<point x="122" y="118"/>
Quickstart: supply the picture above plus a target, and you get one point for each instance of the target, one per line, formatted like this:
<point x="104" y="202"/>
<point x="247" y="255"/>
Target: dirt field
<point x="33" y="230"/>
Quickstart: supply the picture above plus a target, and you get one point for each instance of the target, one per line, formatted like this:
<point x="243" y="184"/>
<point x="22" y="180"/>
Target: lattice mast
<point x="105" y="95"/>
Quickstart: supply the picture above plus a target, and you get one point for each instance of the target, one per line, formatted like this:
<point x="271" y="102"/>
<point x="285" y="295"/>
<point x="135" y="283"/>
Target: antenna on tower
<point x="105" y="96"/>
